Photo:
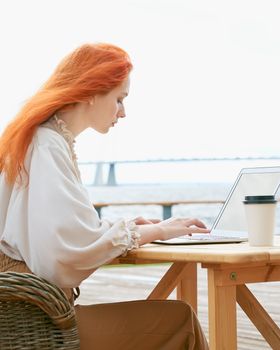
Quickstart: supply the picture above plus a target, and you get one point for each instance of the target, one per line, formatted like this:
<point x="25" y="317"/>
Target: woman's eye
<point x="120" y="102"/>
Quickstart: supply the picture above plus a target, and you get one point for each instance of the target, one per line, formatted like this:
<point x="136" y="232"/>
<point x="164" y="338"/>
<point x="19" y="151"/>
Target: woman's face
<point x="105" y="110"/>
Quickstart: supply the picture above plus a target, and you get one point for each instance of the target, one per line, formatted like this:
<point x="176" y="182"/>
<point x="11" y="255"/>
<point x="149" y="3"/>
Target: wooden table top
<point x="209" y="253"/>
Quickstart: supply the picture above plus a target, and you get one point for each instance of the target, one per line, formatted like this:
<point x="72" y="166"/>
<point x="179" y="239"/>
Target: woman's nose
<point x="121" y="113"/>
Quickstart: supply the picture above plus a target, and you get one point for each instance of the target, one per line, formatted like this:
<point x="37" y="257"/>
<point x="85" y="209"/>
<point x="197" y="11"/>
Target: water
<point x="163" y="192"/>
<point x="169" y="181"/>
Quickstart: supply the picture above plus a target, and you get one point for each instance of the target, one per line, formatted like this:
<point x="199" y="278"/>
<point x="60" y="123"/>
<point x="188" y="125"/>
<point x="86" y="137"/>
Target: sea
<point x="173" y="181"/>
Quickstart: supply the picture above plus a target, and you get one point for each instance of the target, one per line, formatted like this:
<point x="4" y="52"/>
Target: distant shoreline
<point x="168" y="173"/>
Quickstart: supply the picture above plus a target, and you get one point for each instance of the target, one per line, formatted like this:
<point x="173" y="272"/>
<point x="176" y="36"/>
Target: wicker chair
<point x="35" y="314"/>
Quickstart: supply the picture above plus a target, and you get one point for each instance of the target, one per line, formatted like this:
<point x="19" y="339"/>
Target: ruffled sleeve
<point x="66" y="240"/>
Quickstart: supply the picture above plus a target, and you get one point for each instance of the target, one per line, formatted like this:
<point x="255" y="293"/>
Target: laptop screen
<point x="250" y="181"/>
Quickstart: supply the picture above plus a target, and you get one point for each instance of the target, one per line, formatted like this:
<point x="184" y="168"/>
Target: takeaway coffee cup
<point x="260" y="214"/>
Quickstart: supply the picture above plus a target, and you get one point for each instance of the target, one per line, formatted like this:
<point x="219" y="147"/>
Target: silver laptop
<point x="230" y="224"/>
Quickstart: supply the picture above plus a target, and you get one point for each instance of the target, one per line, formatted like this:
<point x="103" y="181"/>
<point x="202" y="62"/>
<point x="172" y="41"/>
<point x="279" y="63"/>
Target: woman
<point x="48" y="225"/>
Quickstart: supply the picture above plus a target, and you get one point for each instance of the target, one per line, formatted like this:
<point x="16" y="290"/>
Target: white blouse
<point x="50" y="222"/>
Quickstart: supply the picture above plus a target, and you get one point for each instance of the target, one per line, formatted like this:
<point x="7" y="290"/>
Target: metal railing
<point x="166" y="205"/>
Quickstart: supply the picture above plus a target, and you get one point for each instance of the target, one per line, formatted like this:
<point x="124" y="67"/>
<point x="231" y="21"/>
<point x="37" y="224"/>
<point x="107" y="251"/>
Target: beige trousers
<point x="140" y="325"/>
<point x="133" y="325"/>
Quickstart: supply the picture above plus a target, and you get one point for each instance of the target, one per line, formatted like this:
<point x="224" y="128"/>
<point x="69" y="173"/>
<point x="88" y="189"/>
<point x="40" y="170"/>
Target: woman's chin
<point x="102" y="131"/>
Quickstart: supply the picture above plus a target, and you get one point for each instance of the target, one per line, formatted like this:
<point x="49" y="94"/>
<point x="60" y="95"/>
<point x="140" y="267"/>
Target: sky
<point x="206" y="77"/>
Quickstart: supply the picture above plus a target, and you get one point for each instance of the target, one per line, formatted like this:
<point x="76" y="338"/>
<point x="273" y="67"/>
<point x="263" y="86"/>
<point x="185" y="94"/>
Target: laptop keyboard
<point x="202" y="239"/>
<point x="205" y="237"/>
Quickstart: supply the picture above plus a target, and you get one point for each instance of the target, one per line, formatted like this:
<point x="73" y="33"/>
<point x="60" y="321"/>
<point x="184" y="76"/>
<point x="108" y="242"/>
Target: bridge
<point x="111" y="177"/>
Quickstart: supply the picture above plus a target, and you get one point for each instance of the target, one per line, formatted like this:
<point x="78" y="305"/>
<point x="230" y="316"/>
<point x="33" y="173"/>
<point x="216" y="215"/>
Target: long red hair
<point x="89" y="70"/>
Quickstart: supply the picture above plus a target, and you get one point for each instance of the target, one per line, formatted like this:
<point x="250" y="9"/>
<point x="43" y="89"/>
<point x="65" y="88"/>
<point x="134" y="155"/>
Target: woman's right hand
<point x="170" y="228"/>
<point x="175" y="227"/>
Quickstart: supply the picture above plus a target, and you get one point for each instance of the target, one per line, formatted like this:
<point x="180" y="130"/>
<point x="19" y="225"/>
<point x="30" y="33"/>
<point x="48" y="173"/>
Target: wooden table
<point x="230" y="267"/>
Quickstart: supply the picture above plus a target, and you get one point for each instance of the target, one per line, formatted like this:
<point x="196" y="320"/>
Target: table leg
<point x="260" y="318"/>
<point x="187" y="286"/>
<point x="169" y="281"/>
<point x="222" y="314"/>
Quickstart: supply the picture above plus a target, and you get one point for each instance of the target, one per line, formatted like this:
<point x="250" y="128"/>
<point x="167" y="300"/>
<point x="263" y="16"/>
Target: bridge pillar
<point x="98" y="178"/>
<point x="167" y="211"/>
<point x="112" y="176"/>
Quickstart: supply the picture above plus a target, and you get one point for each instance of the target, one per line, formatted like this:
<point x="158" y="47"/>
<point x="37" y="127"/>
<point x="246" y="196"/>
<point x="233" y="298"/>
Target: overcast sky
<point x="206" y="78"/>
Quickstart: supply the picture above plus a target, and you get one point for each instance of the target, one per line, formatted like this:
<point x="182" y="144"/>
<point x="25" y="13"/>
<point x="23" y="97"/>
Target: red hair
<point x="89" y="70"/>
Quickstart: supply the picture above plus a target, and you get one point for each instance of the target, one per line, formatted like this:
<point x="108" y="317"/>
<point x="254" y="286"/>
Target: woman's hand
<point x="175" y="227"/>
<point x="170" y="228"/>
<point x="142" y="221"/>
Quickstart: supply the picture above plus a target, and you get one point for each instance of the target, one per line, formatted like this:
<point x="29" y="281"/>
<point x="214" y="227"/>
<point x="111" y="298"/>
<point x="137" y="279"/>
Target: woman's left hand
<point x="142" y="221"/>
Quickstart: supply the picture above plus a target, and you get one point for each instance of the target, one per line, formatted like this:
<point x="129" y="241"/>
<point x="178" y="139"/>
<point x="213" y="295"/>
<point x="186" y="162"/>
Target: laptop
<point x="230" y="224"/>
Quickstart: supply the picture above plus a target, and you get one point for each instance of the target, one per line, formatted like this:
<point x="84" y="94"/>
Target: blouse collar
<point x="60" y="126"/>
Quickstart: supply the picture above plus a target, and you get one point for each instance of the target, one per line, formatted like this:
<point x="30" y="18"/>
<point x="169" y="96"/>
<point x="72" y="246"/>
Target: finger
<point x="196" y="222"/>
<point x="141" y="221"/>
<point x="138" y="218"/>
<point x="154" y="221"/>
<point x="171" y="219"/>
<point x="137" y="221"/>
<point x="199" y="230"/>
